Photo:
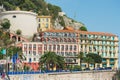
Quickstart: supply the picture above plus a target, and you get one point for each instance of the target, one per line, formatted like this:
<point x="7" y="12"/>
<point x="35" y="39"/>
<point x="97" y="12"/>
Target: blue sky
<point x="97" y="15"/>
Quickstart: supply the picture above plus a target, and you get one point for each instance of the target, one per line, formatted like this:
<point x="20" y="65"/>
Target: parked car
<point x="100" y="68"/>
<point x="87" y="69"/>
<point x="107" y="68"/>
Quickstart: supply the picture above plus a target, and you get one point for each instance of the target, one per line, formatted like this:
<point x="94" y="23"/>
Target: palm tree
<point x="118" y="74"/>
<point x="80" y="56"/>
<point x="5" y="41"/>
<point x="50" y="60"/>
<point x="60" y="61"/>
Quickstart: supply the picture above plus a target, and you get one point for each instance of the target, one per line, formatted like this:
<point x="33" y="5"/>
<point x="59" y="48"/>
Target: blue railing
<point x="36" y="72"/>
<point x="57" y="71"/>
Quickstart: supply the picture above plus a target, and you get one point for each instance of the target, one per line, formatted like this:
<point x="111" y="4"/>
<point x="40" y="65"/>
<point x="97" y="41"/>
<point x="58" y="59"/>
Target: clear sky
<point x="97" y="15"/>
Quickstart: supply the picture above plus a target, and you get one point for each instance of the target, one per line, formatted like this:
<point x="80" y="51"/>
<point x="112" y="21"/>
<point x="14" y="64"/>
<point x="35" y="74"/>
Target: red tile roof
<point x="82" y="32"/>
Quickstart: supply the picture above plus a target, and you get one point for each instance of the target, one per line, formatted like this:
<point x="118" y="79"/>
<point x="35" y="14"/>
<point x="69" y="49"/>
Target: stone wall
<point x="82" y="75"/>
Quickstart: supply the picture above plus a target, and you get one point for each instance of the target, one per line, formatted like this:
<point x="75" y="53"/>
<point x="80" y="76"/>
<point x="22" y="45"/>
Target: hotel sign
<point x="2" y="61"/>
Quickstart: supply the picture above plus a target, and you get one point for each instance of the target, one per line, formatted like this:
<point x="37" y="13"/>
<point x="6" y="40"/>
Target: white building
<point x="23" y="20"/>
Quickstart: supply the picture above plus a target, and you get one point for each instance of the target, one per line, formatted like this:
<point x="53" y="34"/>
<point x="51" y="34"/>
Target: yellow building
<point x="44" y="23"/>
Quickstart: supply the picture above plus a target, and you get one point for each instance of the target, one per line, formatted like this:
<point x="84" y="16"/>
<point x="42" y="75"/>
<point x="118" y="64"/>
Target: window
<point x="74" y="53"/>
<point x="34" y="53"/>
<point x="58" y="47"/>
<point x="25" y="46"/>
<point x="30" y="52"/>
<point x="75" y="47"/>
<point x="30" y="46"/>
<point x="81" y="35"/>
<point x="62" y="53"/>
<point x="61" y="40"/>
<point x="40" y="47"/>
<point x="39" y="25"/>
<point x="54" y="47"/>
<point x="39" y="19"/>
<point x="50" y="47"/>
<point x="62" y="48"/>
<point x="46" y="25"/>
<point x="34" y="59"/>
<point x="46" y="19"/>
<point x="45" y="47"/>
<point x="34" y="46"/>
<point x="30" y="60"/>
<point x="71" y="47"/>
<point x="85" y="36"/>
<point x="66" y="48"/>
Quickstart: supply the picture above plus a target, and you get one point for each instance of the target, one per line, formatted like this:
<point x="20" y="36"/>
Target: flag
<point x="4" y="51"/>
<point x="18" y="60"/>
<point x="14" y="58"/>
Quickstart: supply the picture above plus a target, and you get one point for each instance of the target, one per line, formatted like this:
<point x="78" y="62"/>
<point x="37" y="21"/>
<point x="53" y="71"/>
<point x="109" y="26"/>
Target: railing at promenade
<point x="36" y="72"/>
<point x="57" y="71"/>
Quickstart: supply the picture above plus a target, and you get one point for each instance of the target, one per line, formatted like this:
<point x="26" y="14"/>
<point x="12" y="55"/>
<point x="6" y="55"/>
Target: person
<point x="3" y="75"/>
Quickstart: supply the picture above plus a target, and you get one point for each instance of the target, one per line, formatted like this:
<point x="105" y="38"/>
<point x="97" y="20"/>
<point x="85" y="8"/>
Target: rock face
<point x="68" y="22"/>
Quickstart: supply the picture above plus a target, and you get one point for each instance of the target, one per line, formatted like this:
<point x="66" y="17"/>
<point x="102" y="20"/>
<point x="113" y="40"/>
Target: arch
<point x="14" y="38"/>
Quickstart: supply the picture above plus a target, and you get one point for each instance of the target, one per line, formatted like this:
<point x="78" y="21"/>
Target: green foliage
<point x="81" y="57"/>
<point x="38" y="6"/>
<point x="1" y="55"/>
<point x="5" y="24"/>
<point x="13" y="50"/>
<point x="54" y="10"/>
<point x="28" y="5"/>
<point x="117" y="75"/>
<point x="77" y="67"/>
<point x="4" y="38"/>
<point x="61" y="21"/>
<point x="97" y="58"/>
<point x="83" y="28"/>
<point x="18" y="32"/>
<point x="50" y="60"/>
<point x="8" y="6"/>
<point x="88" y="60"/>
<point x="26" y="68"/>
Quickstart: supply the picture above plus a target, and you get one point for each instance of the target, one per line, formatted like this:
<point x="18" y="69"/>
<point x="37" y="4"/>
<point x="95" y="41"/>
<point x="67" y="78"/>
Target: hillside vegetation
<point x="39" y="6"/>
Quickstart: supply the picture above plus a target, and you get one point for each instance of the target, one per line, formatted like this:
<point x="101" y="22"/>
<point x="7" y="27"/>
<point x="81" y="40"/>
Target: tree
<point x="118" y="74"/>
<point x="18" y="32"/>
<point x="50" y="60"/>
<point x="26" y="68"/>
<point x="88" y="60"/>
<point x="80" y="56"/>
<point x="5" y="24"/>
<point x="60" y="61"/>
<point x="83" y="28"/>
<point x="97" y="58"/>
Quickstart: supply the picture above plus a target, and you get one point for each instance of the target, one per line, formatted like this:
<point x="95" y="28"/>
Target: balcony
<point x="104" y="62"/>
<point x="112" y="61"/>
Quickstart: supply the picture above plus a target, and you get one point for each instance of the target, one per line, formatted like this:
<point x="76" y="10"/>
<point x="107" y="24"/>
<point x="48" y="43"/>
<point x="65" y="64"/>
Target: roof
<point x="82" y="32"/>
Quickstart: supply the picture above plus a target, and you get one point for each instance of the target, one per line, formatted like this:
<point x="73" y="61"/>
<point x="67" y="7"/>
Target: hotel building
<point x="68" y="43"/>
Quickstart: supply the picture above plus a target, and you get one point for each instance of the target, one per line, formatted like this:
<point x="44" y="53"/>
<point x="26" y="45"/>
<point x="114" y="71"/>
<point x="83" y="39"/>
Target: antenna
<point x="74" y="15"/>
